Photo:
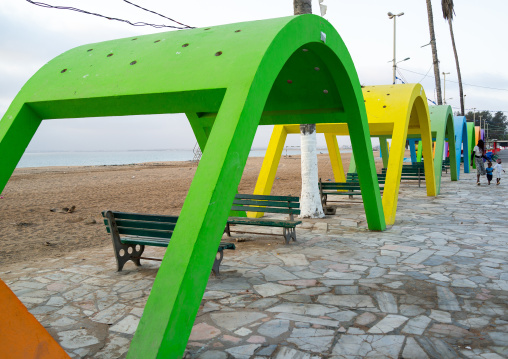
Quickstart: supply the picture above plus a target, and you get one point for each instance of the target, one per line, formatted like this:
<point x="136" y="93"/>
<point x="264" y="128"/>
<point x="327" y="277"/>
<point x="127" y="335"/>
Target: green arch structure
<point x="443" y="127"/>
<point x="228" y="80"/>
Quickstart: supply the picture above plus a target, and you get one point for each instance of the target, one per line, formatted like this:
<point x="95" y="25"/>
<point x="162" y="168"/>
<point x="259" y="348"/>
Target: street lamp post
<point x="444" y="86"/>
<point x="394" y="17"/>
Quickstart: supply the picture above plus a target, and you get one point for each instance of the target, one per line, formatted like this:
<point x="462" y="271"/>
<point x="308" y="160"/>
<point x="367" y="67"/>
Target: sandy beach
<point x="31" y="230"/>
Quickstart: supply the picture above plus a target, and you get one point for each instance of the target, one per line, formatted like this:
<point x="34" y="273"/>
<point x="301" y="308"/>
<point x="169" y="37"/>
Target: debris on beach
<point x="64" y="209"/>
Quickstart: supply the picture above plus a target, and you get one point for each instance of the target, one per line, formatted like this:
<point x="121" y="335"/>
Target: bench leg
<point x="323" y="200"/>
<point x="289" y="234"/>
<point x="218" y="259"/>
<point x="123" y="252"/>
<point x="227" y="230"/>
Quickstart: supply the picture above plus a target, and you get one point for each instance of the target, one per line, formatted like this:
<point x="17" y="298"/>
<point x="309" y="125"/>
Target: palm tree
<point x="437" y="76"/>
<point x="448" y="12"/>
<point x="310" y="200"/>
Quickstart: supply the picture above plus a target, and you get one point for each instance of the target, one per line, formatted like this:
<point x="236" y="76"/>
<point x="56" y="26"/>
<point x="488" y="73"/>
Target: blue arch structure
<point x="461" y="143"/>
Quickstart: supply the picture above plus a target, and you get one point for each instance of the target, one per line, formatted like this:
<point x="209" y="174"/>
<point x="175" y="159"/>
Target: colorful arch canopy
<point x="471" y="140"/>
<point x="228" y="80"/>
<point x="461" y="142"/>
<point x="442" y="126"/>
<point x="392" y="111"/>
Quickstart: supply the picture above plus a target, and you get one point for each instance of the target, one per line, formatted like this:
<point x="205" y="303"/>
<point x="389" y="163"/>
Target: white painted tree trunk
<point x="310" y="200"/>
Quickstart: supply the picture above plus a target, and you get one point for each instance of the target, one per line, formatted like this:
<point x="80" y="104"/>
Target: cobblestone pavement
<point x="435" y="285"/>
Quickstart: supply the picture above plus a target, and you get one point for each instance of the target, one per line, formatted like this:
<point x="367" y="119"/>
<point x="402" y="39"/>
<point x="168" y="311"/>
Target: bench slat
<point x="268" y="198"/>
<point x="265" y="209"/>
<point x="263" y="222"/>
<point x="143" y="224"/>
<point x="142" y="232"/>
<point x="143" y="217"/>
<point x="267" y="203"/>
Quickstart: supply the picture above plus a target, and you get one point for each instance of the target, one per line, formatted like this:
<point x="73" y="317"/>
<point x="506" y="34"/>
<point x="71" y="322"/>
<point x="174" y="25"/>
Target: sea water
<point x="105" y="158"/>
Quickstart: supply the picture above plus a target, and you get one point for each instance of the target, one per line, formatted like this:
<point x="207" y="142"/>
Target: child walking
<point x="498" y="168"/>
<point x="489" y="170"/>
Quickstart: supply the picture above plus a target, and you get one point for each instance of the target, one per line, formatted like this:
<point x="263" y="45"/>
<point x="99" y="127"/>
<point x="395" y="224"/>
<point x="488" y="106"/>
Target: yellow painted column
<point x="335" y="159"/>
<point x="271" y="161"/>
<point x="393" y="173"/>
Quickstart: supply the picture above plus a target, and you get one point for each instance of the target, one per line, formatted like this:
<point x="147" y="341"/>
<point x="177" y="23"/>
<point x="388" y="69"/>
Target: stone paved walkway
<point x="435" y="285"/>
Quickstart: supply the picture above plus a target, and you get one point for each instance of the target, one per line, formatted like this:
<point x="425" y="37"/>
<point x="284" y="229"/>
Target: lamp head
<point x="390" y="15"/>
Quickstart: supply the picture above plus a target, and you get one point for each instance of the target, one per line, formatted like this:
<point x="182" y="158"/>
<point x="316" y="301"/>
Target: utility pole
<point x="444" y="86"/>
<point x="394" y="17"/>
<point x="474" y="120"/>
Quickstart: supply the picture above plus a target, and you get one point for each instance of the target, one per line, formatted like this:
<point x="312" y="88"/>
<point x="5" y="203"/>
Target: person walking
<point x="498" y="168"/>
<point x="477" y="156"/>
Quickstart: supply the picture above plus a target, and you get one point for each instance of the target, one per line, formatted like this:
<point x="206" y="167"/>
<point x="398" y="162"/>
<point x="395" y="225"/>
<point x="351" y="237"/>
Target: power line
<point x="139" y="23"/>
<point x="423" y="78"/>
<point x="156" y="13"/>
<point x="485" y="87"/>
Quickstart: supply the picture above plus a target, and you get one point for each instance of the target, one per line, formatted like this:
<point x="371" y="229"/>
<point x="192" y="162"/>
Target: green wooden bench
<point x="349" y="188"/>
<point x="353" y="177"/>
<point x="446" y="164"/>
<point x="267" y="204"/>
<point x="411" y="172"/>
<point x="131" y="232"/>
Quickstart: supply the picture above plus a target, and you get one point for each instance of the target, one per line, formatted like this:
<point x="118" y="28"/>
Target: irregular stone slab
<point x="464" y="283"/>
<point x="350" y="301"/>
<point x="446" y="299"/>
<point x="411" y="310"/>
<point x="243" y="351"/>
<point x="274" y="328"/>
<point x="213" y="354"/>
<point x="419" y="257"/>
<point x="315" y="340"/>
<point x="440" y="316"/>
<point x="341" y="275"/>
<point x="127" y="325"/>
<point x="440" y="277"/>
<point x="305" y="309"/>
<point x="499" y="338"/>
<point x="243" y="332"/>
<point x="312" y="291"/>
<point x="387" y="302"/>
<point x="437" y="348"/>
<point x="449" y="330"/>
<point x="263" y="303"/>
<point x="344" y="316"/>
<point x="311" y="320"/>
<point x="404" y="249"/>
<point x="290" y="353"/>
<point x="376" y="272"/>
<point x="111" y="314"/>
<point x="373" y="346"/>
<point x="300" y="282"/>
<point x="268" y="351"/>
<point x="413" y="350"/>
<point x="203" y="331"/>
<point x="215" y="294"/>
<point x="417" y="325"/>
<point x="234" y="320"/>
<point x="350" y="289"/>
<point x="388" y="324"/>
<point x="292" y="260"/>
<point x="365" y="318"/>
<point x="274" y="273"/>
<point x="271" y="289"/>
<point x="475" y="322"/>
<point x="74" y="339"/>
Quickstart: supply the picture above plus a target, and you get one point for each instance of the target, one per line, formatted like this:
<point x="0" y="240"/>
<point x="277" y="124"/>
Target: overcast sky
<point x="31" y="36"/>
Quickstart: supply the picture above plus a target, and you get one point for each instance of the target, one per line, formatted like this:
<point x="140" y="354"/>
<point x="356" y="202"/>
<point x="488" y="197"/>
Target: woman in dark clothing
<point x="477" y="156"/>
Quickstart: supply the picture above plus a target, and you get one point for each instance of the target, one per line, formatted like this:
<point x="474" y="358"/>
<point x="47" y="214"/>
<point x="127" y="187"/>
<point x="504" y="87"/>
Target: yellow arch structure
<point x="392" y="111"/>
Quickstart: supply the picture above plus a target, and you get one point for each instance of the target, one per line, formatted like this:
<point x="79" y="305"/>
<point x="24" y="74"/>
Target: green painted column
<point x="383" y="146"/>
